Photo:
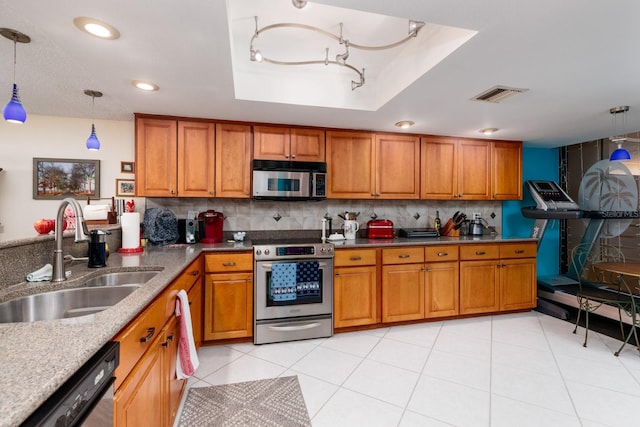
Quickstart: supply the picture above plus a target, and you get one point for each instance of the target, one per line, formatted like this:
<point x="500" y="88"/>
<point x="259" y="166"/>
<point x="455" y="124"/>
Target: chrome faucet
<point x="81" y="235"/>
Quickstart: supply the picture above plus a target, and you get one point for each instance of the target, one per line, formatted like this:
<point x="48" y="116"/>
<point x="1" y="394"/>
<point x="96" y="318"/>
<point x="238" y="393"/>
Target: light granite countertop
<point x="38" y="357"/>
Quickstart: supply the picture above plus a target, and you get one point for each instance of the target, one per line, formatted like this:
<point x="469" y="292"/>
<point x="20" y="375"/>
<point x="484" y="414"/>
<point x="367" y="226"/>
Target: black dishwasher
<point x="85" y="399"/>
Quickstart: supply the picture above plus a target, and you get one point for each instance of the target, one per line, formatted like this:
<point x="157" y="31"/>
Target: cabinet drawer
<point x="441" y="253"/>
<point x="185" y="281"/>
<point x="137" y="337"/>
<point x="223" y="262"/>
<point x="471" y="252"/>
<point x="354" y="257"/>
<point x="407" y="255"/>
<point x="518" y="250"/>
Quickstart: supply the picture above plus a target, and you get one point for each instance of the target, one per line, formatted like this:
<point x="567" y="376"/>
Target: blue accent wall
<point x="537" y="163"/>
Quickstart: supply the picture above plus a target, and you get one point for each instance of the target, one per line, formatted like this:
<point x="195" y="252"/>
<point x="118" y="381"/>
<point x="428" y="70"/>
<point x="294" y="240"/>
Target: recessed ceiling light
<point x="96" y="28"/>
<point x="142" y="85"/>
<point x="405" y="124"/>
<point x="488" y="131"/>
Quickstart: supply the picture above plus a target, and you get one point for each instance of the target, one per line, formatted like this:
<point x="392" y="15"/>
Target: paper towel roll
<point x="95" y="212"/>
<point x="130" y="223"/>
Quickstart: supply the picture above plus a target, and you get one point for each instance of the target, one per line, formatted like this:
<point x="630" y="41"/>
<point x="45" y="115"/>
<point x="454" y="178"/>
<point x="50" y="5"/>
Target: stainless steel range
<point x="293" y="291"/>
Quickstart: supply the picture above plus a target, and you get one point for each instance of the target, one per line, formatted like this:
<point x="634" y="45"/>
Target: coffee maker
<point x="210" y="226"/>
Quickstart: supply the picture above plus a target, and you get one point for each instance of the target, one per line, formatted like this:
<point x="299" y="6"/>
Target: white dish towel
<point x="187" y="361"/>
<point x="43" y="274"/>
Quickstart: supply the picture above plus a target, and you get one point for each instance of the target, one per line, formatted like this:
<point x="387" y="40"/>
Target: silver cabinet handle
<point x="481" y="253"/>
<point x="519" y="251"/>
<point x="404" y="256"/>
<point x="228" y="264"/>
<point x="150" y="332"/>
<point x="443" y="254"/>
<point x="355" y="258"/>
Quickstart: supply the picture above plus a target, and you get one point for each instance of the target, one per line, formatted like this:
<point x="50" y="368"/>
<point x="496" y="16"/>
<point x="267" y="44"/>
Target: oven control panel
<point x="301" y="251"/>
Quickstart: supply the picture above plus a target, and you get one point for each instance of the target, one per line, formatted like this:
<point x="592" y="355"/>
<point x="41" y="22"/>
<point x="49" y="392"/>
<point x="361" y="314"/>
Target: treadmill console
<point x="549" y="196"/>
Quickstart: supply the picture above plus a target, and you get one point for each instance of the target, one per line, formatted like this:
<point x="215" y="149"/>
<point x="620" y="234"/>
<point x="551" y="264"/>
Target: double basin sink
<point x="94" y="295"/>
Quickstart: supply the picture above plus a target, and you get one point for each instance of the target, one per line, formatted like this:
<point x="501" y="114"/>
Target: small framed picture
<point x="127" y="167"/>
<point x="125" y="187"/>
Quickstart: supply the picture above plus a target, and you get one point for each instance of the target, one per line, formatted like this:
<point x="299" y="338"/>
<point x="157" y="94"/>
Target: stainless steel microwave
<point x="277" y="180"/>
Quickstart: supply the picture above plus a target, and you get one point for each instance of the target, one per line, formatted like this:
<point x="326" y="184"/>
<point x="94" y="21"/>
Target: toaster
<point x="380" y="229"/>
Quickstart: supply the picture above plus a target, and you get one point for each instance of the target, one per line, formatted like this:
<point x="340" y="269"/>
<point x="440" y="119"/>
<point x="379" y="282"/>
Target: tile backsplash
<point x="253" y="215"/>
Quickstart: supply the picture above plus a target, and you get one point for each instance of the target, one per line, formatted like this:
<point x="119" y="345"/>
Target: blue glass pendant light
<point x="620" y="154"/>
<point x="14" y="112"/>
<point x="93" y="143"/>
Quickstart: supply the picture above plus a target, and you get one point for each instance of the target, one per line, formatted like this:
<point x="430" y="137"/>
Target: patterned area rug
<point x="276" y="402"/>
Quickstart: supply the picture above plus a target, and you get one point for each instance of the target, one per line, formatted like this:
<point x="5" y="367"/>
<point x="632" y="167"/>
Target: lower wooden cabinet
<point x="402" y="292"/>
<point x="228" y="296"/>
<point x="147" y="390"/>
<point x="441" y="294"/>
<point x="479" y="287"/>
<point x="228" y="309"/>
<point x="497" y="277"/>
<point x="355" y="288"/>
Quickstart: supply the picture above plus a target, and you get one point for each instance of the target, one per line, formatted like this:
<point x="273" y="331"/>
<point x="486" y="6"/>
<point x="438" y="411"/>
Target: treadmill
<point x="554" y="203"/>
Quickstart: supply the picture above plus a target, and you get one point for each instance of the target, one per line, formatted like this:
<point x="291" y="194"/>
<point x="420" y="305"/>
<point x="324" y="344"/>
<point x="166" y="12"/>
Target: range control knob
<point x="258" y="252"/>
<point x="329" y="249"/>
<point x="322" y="249"/>
<point x="266" y="251"/>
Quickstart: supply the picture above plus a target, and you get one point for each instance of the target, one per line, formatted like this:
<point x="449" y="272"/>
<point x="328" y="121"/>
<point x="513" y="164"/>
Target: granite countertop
<point x="38" y="357"/>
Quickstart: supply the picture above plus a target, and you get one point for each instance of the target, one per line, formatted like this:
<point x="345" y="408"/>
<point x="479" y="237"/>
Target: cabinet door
<point x="402" y="292"/>
<point x="195" y="308"/>
<point x="479" y="289"/>
<point x="140" y="399"/>
<point x="441" y="289"/>
<point x="307" y="145"/>
<point x="355" y="297"/>
<point x="228" y="306"/>
<point x="174" y="386"/>
<point x="506" y="171"/>
<point x="233" y="161"/>
<point x="517" y="284"/>
<point x="474" y="170"/>
<point x="271" y="143"/>
<point x="397" y="167"/>
<point x="156" y="158"/>
<point x="196" y="161"/>
<point x="439" y="171"/>
<point x="350" y="165"/>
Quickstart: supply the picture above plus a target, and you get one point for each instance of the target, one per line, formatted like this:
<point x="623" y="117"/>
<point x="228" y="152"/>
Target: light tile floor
<point x="524" y="369"/>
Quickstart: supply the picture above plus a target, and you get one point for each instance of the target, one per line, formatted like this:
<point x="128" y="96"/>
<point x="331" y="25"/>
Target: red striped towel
<point x="187" y="361"/>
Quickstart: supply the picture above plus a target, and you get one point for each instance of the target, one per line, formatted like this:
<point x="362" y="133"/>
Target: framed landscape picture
<point x="60" y="178"/>
<point x="125" y="187"/>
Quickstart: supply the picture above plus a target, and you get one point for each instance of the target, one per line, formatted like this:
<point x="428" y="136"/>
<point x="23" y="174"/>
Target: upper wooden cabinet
<point x="156" y="158"/>
<point x="397" y="167"/>
<point x="177" y="158"/>
<point x="362" y="165"/>
<point x="196" y="159"/>
<point x="468" y="169"/>
<point x="174" y="158"/>
<point x="283" y="143"/>
<point x="506" y="170"/>
<point x="233" y="160"/>
<point x="350" y="166"/>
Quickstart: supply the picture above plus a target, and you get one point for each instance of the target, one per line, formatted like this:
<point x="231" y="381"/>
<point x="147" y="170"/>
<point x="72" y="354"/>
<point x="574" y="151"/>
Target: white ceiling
<point x="577" y="58"/>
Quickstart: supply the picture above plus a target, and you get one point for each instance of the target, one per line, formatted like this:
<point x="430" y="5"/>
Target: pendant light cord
<point x="15" y="43"/>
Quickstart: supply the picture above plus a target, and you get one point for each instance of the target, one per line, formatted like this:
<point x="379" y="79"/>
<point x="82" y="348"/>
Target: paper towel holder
<point x="112" y="217"/>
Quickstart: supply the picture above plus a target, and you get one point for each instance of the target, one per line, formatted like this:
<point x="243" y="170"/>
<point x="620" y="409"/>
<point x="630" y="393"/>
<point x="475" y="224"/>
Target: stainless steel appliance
<point x="293" y="291"/>
<point x="277" y="180"/>
<point x="86" y="399"/>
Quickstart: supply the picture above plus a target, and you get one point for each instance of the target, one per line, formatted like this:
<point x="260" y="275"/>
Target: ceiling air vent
<point x="498" y="94"/>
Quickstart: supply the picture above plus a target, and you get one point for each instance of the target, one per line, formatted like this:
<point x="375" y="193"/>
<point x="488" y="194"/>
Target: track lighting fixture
<point x="340" y="59"/>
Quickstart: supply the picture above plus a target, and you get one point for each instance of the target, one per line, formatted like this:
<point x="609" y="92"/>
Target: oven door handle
<point x="268" y="266"/>
<point x="296" y="327"/>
